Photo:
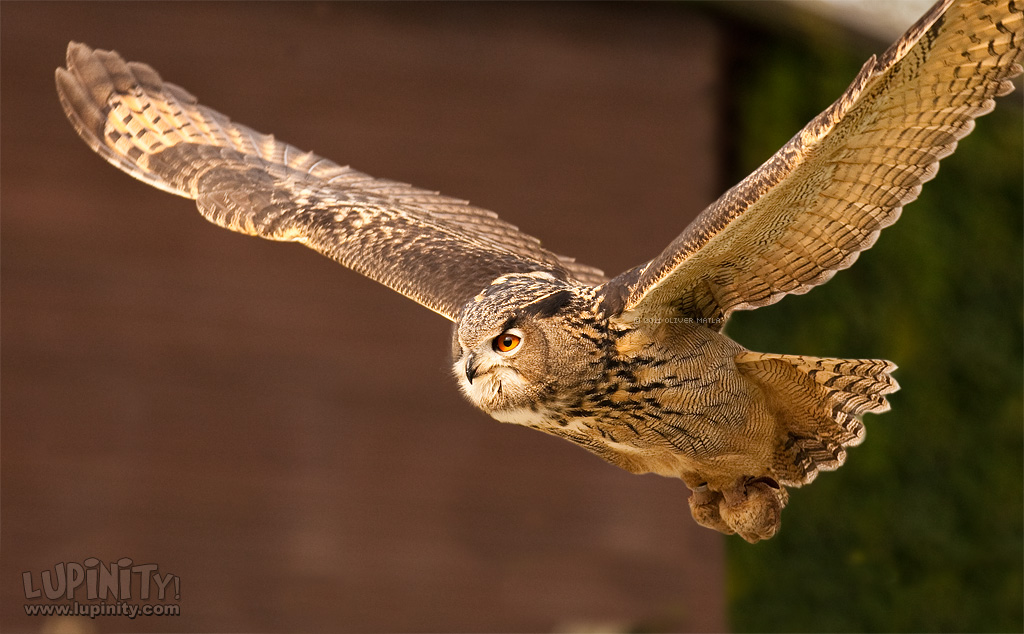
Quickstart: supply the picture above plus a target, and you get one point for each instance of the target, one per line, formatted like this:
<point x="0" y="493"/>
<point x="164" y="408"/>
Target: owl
<point x="634" y="368"/>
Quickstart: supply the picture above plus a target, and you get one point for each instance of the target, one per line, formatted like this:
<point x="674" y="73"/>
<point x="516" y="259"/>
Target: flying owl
<point x="634" y="368"/>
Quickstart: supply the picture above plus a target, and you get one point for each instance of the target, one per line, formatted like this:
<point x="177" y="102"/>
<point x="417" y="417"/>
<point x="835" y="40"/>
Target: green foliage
<point x="922" y="529"/>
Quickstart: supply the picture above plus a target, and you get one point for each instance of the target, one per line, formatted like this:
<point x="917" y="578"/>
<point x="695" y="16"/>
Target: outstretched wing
<point x="436" y="250"/>
<point x="823" y="198"/>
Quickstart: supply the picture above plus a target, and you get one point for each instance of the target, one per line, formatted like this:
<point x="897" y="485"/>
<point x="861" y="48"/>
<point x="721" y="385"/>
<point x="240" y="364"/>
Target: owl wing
<point x="823" y="198"/>
<point x="437" y="250"/>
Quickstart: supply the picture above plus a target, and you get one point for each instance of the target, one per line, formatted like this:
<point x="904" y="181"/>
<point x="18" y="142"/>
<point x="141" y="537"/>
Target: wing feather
<point x="823" y="198"/>
<point x="437" y="250"/>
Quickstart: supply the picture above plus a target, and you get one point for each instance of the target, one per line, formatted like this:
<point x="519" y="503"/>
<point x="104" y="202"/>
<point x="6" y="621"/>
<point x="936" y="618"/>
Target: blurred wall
<point x="282" y="434"/>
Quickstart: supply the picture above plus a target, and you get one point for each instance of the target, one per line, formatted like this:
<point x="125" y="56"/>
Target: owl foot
<point x="751" y="507"/>
<point x="704" y="505"/>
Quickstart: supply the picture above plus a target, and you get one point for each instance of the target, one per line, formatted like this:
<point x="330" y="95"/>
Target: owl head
<point x="520" y="342"/>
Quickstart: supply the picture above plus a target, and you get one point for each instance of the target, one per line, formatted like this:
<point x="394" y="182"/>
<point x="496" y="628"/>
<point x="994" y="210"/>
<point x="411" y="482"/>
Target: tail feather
<point x="818" y="404"/>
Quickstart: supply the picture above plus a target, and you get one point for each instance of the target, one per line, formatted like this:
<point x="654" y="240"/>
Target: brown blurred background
<point x="283" y="434"/>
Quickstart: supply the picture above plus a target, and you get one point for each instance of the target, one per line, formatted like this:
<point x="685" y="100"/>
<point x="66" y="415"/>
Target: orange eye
<point x="507" y="341"/>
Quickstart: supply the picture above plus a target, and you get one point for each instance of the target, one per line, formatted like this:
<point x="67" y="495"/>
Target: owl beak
<point x="471" y="367"/>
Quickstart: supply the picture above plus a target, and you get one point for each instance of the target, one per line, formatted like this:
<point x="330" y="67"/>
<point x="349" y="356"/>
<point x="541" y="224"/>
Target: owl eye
<point x="507" y="341"/>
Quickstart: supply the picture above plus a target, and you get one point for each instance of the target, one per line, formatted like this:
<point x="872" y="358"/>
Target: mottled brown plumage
<point x="817" y="203"/>
<point x="251" y="183"/>
<point x="634" y="369"/>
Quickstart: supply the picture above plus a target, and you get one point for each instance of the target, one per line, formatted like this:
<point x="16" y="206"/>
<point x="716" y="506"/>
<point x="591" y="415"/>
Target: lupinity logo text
<point x="93" y="588"/>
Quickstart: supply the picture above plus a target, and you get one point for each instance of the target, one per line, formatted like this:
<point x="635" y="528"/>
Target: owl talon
<point x="753" y="508"/>
<point x="704" y="505"/>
